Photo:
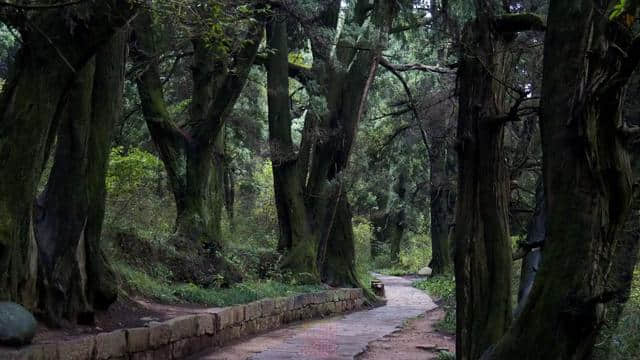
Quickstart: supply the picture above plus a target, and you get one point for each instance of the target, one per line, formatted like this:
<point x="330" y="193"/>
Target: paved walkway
<point x="341" y="337"/>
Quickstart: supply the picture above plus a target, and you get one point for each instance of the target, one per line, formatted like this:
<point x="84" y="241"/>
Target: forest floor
<point x="125" y="313"/>
<point x="403" y="329"/>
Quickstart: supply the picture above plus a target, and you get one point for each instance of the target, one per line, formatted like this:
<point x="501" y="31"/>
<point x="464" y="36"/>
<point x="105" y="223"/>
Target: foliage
<point x="138" y="199"/>
<point x="160" y="289"/>
<point x="363" y="234"/>
<point x="623" y="341"/>
<point x="442" y="287"/>
<point x="446" y="355"/>
<point x="415" y="254"/>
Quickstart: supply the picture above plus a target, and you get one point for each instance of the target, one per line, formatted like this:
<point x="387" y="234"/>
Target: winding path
<point x="341" y="337"/>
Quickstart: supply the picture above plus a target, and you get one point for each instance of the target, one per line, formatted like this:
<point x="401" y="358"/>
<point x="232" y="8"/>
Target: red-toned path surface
<point x="341" y="337"/>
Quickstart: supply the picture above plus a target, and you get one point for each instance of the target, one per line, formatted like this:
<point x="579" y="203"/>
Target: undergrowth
<point x="158" y="287"/>
<point x="443" y="288"/>
<point x="623" y="341"/>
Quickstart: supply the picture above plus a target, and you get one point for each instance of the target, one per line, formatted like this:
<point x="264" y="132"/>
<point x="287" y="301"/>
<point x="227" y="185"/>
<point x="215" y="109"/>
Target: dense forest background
<point x="217" y="152"/>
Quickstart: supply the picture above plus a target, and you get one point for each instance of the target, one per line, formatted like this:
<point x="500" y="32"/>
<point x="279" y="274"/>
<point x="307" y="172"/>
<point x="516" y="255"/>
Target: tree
<point x="75" y="276"/>
<point x="193" y="152"/>
<point x="588" y="190"/>
<point x="56" y="44"/>
<point x="341" y="84"/>
<point x="482" y="240"/>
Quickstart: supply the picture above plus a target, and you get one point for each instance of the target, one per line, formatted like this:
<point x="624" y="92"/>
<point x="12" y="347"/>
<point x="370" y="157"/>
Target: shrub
<point x="442" y="287"/>
<point x="138" y="200"/>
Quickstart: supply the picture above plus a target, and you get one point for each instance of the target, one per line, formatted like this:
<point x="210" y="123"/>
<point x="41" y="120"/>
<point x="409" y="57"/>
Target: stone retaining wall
<point x="189" y="334"/>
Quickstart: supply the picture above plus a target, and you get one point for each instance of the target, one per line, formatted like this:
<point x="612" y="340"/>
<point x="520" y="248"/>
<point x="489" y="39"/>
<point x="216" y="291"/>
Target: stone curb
<point x="186" y="335"/>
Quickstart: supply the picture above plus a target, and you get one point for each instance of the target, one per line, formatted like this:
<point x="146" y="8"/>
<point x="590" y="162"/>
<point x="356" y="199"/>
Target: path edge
<point x="186" y="335"/>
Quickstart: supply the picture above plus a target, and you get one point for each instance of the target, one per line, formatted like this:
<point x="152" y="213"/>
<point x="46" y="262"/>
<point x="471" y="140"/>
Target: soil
<point x="125" y="313"/>
<point x="418" y="339"/>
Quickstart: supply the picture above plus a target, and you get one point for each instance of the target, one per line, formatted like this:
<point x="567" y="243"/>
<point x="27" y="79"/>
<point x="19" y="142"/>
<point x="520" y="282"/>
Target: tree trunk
<point x="74" y="273"/>
<point x="536" y="234"/>
<point x="193" y="154"/>
<point x="296" y="239"/>
<point x="107" y="108"/>
<point x="588" y="188"/>
<point x="396" y="223"/>
<point x="338" y="267"/>
<point x="31" y="100"/>
<point x="346" y="95"/>
<point x="483" y="245"/>
<point x="441" y="261"/>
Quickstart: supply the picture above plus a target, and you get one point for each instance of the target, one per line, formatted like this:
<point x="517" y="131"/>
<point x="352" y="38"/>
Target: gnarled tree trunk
<point x="588" y="185"/>
<point x="482" y="241"/>
<point x="31" y="100"/>
<point x="296" y="237"/>
<point x="74" y="276"/>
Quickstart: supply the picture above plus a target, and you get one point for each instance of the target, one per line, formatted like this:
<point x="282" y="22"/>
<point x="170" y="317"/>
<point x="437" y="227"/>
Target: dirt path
<point x="417" y="340"/>
<point x="342" y="337"/>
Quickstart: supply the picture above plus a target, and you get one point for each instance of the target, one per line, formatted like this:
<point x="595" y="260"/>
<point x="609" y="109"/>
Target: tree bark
<point x="397" y="214"/>
<point x="536" y="234"/>
<point x="588" y="62"/>
<point x="346" y="95"/>
<point x="31" y="101"/>
<point x="75" y="277"/>
<point x="482" y="241"/>
<point x="296" y="239"/>
<point x="441" y="261"/>
<point x="193" y="154"/>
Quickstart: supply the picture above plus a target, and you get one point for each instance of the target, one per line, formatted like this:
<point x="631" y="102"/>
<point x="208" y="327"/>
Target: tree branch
<point x="418" y="67"/>
<point x="423" y="133"/>
<point x="41" y="6"/>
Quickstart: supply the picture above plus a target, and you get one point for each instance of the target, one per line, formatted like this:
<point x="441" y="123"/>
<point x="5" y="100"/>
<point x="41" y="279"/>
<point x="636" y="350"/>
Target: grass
<point x="158" y="288"/>
<point x="443" y="289"/>
<point x="446" y="355"/>
<point x="623" y="341"/>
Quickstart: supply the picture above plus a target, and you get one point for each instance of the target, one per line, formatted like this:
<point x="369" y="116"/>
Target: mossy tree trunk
<point x="588" y="62"/>
<point x="483" y="244"/>
<point x="296" y="238"/>
<point x="33" y="97"/>
<point x="193" y="153"/>
<point x="74" y="276"/>
<point x="346" y="95"/>
<point x="316" y="172"/>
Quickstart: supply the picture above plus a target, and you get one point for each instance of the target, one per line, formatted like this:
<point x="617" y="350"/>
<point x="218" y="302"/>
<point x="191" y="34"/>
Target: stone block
<point x="268" y="307"/>
<point x="238" y="312"/>
<point x="284" y="304"/>
<point x="253" y="310"/>
<point x="40" y="352"/>
<point x="205" y="324"/>
<point x="111" y="345"/>
<point x="146" y="355"/>
<point x="183" y="327"/>
<point x="300" y="301"/>
<point x="137" y="339"/>
<point x="225" y="318"/>
<point x="162" y="353"/>
<point x="77" y="349"/>
<point x="185" y="347"/>
<point x="159" y="334"/>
